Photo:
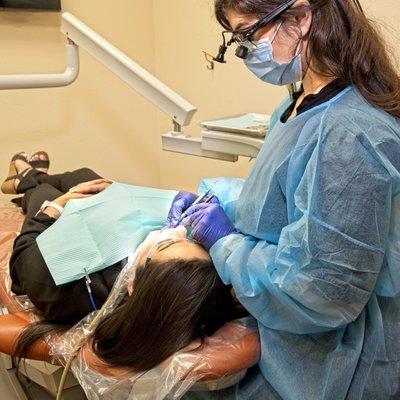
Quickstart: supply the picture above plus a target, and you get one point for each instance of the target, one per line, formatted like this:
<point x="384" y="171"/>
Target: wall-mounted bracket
<point x="185" y="144"/>
<point x="219" y="145"/>
<point x="34" y="81"/>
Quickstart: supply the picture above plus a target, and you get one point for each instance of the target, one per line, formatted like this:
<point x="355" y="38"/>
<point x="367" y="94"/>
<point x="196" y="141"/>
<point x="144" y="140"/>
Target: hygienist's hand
<point x="182" y="201"/>
<point x="92" y="187"/>
<point x="209" y="223"/>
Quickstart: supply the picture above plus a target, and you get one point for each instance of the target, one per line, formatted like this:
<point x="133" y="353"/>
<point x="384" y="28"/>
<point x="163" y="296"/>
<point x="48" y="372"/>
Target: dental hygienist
<point x="314" y="254"/>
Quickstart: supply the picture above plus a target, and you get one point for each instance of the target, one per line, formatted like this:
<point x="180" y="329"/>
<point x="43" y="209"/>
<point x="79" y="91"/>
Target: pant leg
<point x="67" y="180"/>
<point x="30" y="181"/>
<point x="62" y="182"/>
<point x="34" y="198"/>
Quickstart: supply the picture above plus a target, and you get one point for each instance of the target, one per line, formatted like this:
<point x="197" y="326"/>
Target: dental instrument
<point x="200" y="199"/>
<point x="89" y="290"/>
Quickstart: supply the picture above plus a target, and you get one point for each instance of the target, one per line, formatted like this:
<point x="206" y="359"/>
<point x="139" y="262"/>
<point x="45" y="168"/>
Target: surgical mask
<point x="260" y="61"/>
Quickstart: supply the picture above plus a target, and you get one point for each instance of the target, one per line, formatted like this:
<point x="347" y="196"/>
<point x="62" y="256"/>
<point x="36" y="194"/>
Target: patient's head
<point x="177" y="297"/>
<point x="170" y="244"/>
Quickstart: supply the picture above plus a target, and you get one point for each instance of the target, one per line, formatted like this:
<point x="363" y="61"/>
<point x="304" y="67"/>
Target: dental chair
<point x="225" y="358"/>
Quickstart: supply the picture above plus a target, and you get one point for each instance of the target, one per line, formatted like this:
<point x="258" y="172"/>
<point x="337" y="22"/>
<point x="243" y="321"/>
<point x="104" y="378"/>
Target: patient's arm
<point x="81" y="190"/>
<point x="51" y="212"/>
<point x="62" y="201"/>
<point x="92" y="187"/>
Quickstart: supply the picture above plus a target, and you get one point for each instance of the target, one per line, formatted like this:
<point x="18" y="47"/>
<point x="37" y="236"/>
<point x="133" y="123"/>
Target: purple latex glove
<point x="209" y="223"/>
<point x="182" y="201"/>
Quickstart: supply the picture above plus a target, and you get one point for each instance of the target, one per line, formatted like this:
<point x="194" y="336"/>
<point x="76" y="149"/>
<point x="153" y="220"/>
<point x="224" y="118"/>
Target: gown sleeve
<point x="322" y="271"/>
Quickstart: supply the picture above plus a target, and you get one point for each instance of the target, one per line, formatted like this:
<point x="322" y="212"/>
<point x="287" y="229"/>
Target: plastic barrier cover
<point x="220" y="363"/>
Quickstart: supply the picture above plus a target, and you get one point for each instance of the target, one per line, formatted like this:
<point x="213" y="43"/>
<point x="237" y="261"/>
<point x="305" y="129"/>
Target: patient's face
<point x="182" y="248"/>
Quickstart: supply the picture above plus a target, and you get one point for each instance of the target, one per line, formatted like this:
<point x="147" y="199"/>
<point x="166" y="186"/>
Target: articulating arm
<point x="33" y="81"/>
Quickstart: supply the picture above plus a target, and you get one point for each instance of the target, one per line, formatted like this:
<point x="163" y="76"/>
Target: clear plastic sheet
<point x="220" y="363"/>
<point x="11" y="219"/>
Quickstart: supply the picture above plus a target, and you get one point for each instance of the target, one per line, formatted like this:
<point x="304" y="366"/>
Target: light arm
<point x="130" y="72"/>
<point x="168" y="101"/>
<point x="32" y="81"/>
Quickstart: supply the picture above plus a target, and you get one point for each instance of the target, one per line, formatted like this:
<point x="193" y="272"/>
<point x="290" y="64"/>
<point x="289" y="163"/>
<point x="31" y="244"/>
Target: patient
<point x="176" y="295"/>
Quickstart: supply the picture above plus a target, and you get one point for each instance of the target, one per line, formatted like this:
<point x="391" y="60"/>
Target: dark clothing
<point x="252" y="387"/>
<point x="327" y="93"/>
<point x="64" y="304"/>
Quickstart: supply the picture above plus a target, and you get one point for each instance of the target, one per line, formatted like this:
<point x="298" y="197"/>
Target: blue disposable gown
<point x="317" y="259"/>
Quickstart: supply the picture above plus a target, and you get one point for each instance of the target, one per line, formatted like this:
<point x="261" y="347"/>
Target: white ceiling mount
<point x="80" y="35"/>
<point x="35" y="81"/>
<point x="224" y="146"/>
<point x="163" y="97"/>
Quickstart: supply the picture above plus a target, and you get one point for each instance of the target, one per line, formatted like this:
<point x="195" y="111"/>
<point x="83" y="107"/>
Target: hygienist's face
<point x="287" y="38"/>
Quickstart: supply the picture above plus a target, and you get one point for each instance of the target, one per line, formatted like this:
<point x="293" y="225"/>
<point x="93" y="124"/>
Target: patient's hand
<point x="62" y="201"/>
<point x="65" y="198"/>
<point x="85" y="189"/>
<point x="92" y="187"/>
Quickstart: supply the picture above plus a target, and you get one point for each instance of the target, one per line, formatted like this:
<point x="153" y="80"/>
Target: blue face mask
<point x="260" y="61"/>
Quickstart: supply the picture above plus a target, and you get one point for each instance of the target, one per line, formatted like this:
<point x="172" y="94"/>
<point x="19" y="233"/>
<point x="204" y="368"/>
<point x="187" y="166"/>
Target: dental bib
<point x="96" y="232"/>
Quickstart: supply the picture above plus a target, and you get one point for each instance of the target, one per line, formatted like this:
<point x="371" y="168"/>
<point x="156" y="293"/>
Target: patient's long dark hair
<point x="173" y="303"/>
<point x="342" y="43"/>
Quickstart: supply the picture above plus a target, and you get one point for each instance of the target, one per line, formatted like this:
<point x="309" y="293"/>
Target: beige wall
<point x="100" y="122"/>
<point x="183" y="30"/>
<point x="29" y="42"/>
